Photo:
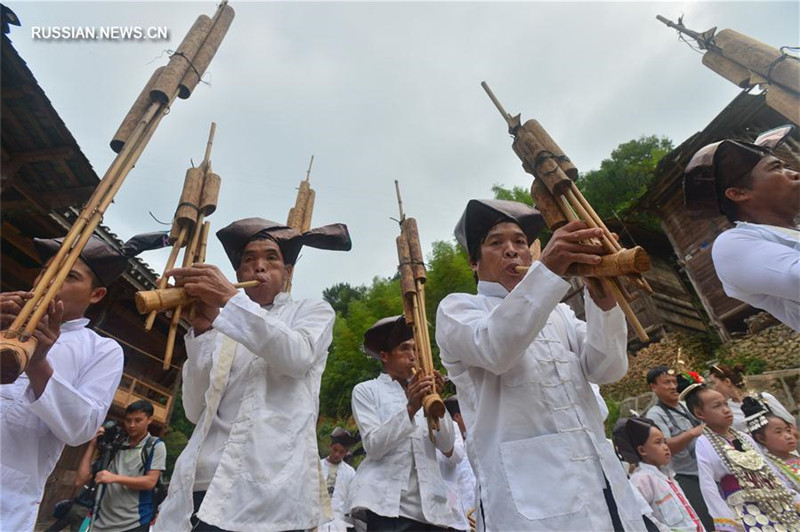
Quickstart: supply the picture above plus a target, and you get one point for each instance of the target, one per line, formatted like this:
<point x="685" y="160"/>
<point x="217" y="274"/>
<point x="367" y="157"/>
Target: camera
<point x="113" y="438"/>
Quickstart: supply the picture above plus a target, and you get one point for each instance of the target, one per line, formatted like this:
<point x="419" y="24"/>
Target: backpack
<point x="160" y="489"/>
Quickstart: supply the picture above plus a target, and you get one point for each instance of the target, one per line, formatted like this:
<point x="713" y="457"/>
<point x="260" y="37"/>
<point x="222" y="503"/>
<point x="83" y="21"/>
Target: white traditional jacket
<point x="268" y="477"/>
<point x="535" y="435"/>
<point x="668" y="503"/>
<point x="86" y="372"/>
<point x="391" y="439"/>
<point x="760" y="265"/>
<point x="341" y="496"/>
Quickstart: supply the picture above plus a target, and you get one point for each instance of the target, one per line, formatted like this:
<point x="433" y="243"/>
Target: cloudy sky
<point x="378" y="92"/>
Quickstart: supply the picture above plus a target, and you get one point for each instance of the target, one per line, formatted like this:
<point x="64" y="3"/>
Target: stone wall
<point x="767" y="347"/>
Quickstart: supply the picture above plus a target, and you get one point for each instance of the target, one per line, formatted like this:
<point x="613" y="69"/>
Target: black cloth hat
<point x="235" y="237"/>
<point x="630" y="433"/>
<point x="386" y="334"/>
<point x="344" y="438"/>
<point x="721" y="165"/>
<point x="481" y="215"/>
<point x="105" y="261"/>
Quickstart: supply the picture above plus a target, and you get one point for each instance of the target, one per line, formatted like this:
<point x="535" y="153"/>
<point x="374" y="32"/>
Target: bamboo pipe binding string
<point x="545" y="160"/>
<point x="412" y="283"/>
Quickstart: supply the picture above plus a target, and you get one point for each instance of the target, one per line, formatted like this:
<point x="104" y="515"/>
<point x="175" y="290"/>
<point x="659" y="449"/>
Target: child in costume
<point x="741" y="490"/>
<point x="640" y="441"/>
<point x="776" y="437"/>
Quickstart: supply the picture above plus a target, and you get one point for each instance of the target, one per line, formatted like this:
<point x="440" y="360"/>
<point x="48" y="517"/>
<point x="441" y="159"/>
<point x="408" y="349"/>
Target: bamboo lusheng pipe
<point x="761" y="58"/>
<point x="299" y="217"/>
<point x="163" y="299"/>
<point x="541" y="159"/>
<point x="412" y="283"/>
<point x="17" y="343"/>
<point x="623" y="262"/>
<point x="203" y="186"/>
<point x="187" y="219"/>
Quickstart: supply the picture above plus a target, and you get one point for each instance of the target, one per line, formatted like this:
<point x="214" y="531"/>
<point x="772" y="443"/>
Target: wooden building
<point x="45" y="180"/>
<point x="744" y="118"/>
<point x="672" y="307"/>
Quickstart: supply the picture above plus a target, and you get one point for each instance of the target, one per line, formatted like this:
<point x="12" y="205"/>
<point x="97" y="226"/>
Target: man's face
<point x="338" y="452"/>
<point x="774" y="188"/>
<point x="76" y="293"/>
<point x="262" y="260"/>
<point x="504" y="248"/>
<point x="398" y="363"/>
<point x="136" y="424"/>
<point x="666" y="388"/>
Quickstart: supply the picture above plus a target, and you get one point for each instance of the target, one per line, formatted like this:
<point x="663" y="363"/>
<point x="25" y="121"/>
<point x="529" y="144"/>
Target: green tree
<point x="341" y="294"/>
<point x="448" y="272"/>
<point x="624" y="176"/>
<point x="519" y="194"/>
<point x="620" y="181"/>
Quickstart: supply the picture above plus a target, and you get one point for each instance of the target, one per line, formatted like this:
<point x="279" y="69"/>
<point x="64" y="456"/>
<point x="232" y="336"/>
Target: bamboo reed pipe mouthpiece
<point x="14" y="356"/>
<point x="168" y="298"/>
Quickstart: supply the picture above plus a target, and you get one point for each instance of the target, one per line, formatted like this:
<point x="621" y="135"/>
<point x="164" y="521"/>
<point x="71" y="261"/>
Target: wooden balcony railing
<point x="132" y="389"/>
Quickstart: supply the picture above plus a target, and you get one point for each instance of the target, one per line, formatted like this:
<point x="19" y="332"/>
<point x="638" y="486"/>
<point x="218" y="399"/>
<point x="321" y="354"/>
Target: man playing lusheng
<point x="251" y="384"/>
<point x="127" y="504"/>
<point x="399" y="487"/>
<point x="758" y="261"/>
<point x="338" y="474"/>
<point x="67" y="387"/>
<point x="535" y="431"/>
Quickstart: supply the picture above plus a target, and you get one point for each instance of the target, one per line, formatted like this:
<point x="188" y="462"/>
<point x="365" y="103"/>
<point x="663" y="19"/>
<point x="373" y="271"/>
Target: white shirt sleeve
<point x="711" y="469"/>
<point x="197" y="372"/>
<point x="498" y="341"/>
<point x="74" y="412"/>
<point x="290" y="351"/>
<point x="445" y="437"/>
<point x="602" y="342"/>
<point x="378" y="437"/>
<point x="459" y="450"/>
<point x="755" y="265"/>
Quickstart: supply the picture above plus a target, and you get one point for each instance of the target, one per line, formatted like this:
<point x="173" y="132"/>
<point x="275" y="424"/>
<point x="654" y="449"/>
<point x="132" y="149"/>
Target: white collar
<point x="74" y="325"/>
<point x="785" y="232"/>
<point x="653" y="469"/>
<point x="492" y="289"/>
<point x="281" y="299"/>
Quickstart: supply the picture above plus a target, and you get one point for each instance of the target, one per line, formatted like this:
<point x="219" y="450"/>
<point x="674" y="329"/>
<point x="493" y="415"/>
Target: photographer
<point x="134" y="471"/>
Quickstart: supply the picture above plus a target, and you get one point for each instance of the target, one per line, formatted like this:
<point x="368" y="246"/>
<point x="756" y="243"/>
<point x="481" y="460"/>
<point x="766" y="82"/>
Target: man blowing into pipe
<point x="68" y="385"/>
<point x="399" y="487"/>
<point x="251" y="384"/>
<point x="534" y="429"/>
<point x="758" y="261"/>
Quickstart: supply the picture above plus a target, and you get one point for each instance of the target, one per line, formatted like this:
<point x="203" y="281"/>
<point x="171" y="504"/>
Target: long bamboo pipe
<point x="163" y="299"/>
<point x="17" y="344"/>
